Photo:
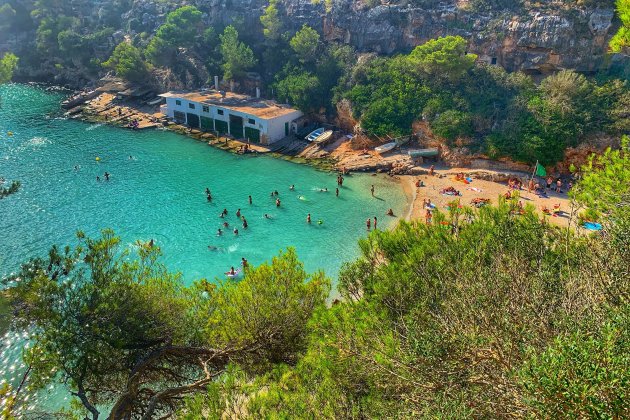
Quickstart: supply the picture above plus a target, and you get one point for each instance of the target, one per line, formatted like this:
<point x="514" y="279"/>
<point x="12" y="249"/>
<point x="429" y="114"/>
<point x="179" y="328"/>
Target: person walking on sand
<point x="368" y="223"/>
<point x="372" y="190"/>
<point x="308" y="218"/>
<point x="432" y="170"/>
<point x="427" y="216"/>
<point x="559" y="186"/>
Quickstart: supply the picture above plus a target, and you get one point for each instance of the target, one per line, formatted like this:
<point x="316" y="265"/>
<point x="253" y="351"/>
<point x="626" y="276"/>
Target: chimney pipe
<point x="257" y="92"/>
<point x="216" y="82"/>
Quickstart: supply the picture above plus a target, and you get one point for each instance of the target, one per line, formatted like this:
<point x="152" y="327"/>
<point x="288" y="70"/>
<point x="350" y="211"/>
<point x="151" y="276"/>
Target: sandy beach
<point x="478" y="188"/>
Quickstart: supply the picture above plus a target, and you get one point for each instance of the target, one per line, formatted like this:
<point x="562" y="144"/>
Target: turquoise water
<point x="159" y="194"/>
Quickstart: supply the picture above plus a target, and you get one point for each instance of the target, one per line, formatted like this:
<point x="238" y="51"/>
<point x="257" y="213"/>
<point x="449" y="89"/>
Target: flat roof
<point x="260" y="108"/>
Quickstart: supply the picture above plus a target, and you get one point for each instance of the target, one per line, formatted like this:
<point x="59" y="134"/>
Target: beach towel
<point x="475" y="189"/>
<point x="592" y="226"/>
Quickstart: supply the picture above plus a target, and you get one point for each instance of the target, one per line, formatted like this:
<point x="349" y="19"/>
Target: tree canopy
<point x="305" y="43"/>
<point x="8" y="63"/>
<point x="621" y="41"/>
<point x="127" y="62"/>
<point x="237" y="57"/>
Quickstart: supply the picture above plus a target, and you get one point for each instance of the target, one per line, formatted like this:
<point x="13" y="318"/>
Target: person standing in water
<point x="250" y="199"/>
<point x="245" y="223"/>
<point x="337" y="192"/>
<point x="372" y="190"/>
<point x="224" y="212"/>
<point x="277" y="202"/>
<point x="308" y="218"/>
<point x="238" y="213"/>
<point x="368" y="223"/>
<point x="106" y="174"/>
<point x="375" y="222"/>
<point x="219" y="232"/>
<point x="235" y="231"/>
<point x="244" y="262"/>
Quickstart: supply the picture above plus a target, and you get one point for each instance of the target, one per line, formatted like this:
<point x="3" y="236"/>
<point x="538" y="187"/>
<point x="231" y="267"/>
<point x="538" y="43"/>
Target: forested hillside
<point x="478" y="87"/>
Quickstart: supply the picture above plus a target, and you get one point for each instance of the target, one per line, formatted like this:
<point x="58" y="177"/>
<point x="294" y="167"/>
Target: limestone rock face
<point x="534" y="40"/>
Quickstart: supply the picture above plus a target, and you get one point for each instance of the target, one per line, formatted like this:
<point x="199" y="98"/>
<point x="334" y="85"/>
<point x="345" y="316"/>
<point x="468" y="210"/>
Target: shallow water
<point x="156" y="192"/>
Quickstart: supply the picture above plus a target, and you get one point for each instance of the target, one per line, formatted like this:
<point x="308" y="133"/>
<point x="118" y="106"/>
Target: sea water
<point x="156" y="191"/>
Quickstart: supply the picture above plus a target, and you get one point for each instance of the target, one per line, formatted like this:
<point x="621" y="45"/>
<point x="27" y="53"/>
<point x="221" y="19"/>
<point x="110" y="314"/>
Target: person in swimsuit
<point x="235" y="231"/>
<point x="375" y="222"/>
<point x="244" y="262"/>
<point x="308" y="218"/>
<point x="244" y="223"/>
<point x="250" y="199"/>
<point x="219" y="232"/>
<point x="238" y="213"/>
<point x="337" y="192"/>
<point x="368" y="223"/>
<point x="277" y="202"/>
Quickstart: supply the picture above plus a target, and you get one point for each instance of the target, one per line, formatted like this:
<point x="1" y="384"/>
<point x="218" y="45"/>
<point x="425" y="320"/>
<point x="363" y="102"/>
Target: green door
<point x="207" y="124"/>
<point x="252" y="134"/>
<point x="236" y="126"/>
<point x="192" y="120"/>
<point x="221" y="126"/>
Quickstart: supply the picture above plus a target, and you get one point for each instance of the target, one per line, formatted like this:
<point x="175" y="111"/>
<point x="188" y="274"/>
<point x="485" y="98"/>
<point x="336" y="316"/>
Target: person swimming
<point x="98" y="178"/>
<point x="226" y="224"/>
<point x="266" y="216"/>
<point x="219" y="232"/>
<point x="232" y="272"/>
<point x="292" y="187"/>
<point x="225" y="212"/>
<point x="244" y="223"/>
<point x="276" y="193"/>
<point x="235" y="231"/>
<point x="238" y="213"/>
<point x="213" y="248"/>
<point x="106" y="176"/>
<point x="277" y="202"/>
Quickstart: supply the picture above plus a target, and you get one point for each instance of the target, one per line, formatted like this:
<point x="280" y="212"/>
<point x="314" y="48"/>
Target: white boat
<point x="324" y="137"/>
<point x="385" y="147"/>
<point x="314" y="134"/>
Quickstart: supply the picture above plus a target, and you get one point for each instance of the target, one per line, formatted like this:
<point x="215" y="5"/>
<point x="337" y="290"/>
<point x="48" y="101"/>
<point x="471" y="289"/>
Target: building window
<point x="220" y="111"/>
<point x="191" y="106"/>
<point x="251" y="121"/>
<point x="205" y="108"/>
<point x="178" y="102"/>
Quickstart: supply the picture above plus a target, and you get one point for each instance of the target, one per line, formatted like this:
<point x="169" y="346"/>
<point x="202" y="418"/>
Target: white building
<point x="243" y="117"/>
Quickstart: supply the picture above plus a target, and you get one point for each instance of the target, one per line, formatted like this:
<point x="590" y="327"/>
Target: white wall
<point x="273" y="129"/>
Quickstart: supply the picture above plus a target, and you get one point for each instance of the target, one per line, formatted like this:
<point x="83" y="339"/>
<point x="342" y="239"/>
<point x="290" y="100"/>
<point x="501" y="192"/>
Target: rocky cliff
<point x="536" y="39"/>
<point x="554" y="34"/>
<point x="539" y="39"/>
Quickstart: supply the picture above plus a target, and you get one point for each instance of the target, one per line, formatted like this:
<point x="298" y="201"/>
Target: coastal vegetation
<point x="485" y="312"/>
<point x="462" y="103"/>
<point x="8" y="63"/>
